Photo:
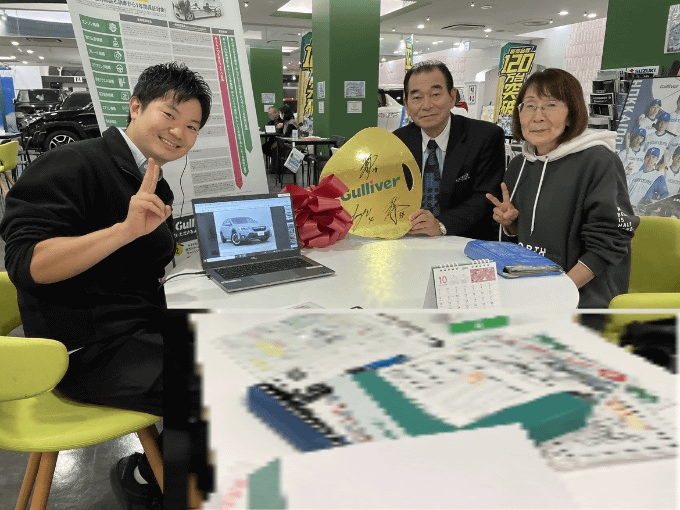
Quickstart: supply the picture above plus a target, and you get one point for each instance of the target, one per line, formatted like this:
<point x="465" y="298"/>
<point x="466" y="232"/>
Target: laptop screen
<point x="231" y="228"/>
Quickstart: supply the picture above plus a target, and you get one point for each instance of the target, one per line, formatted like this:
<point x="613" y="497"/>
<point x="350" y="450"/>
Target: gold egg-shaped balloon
<point x="384" y="183"/>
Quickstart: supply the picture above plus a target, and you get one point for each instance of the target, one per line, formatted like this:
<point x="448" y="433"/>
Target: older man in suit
<point x="461" y="159"/>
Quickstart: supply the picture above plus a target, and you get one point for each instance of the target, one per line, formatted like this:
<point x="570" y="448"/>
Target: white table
<point x="369" y="274"/>
<point x="241" y="442"/>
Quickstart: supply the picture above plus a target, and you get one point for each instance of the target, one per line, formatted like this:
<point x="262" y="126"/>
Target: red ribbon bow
<point x="319" y="215"/>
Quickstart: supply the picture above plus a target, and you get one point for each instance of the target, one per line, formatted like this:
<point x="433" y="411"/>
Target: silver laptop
<point x="251" y="241"/>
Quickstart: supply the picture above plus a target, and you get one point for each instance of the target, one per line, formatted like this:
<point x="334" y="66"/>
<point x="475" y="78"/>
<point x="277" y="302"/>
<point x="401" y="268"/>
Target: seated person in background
<point x="287" y="123"/>
<point x="461" y="159"/>
<point x="89" y="232"/>
<point x="268" y="145"/>
<point x="569" y="200"/>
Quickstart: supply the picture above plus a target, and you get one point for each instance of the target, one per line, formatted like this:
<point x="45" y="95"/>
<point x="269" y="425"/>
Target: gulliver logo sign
<point x="384" y="183"/>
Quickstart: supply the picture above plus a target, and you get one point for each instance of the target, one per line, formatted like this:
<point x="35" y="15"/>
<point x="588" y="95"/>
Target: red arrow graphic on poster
<point x="231" y="133"/>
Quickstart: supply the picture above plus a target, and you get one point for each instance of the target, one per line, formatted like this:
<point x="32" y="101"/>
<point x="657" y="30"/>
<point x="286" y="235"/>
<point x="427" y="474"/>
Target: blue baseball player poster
<point x="648" y="143"/>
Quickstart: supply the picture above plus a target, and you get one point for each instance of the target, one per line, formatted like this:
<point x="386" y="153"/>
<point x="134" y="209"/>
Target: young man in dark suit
<point x="469" y="155"/>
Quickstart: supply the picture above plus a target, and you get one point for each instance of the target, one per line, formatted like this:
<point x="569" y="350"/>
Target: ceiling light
<point x="563" y="13"/>
<point x="24" y="62"/>
<point x="394" y="30"/>
<point x="592" y="15"/>
<point x="8" y="58"/>
<point x="487" y="35"/>
<point x="487" y="6"/>
<point x="417" y="40"/>
<point x="551" y="21"/>
<point x="299" y="34"/>
<point x="245" y="4"/>
<point x="421" y="26"/>
<point x="396" y="52"/>
<point x="285" y="67"/>
<point x="29" y="51"/>
<point x="41" y="57"/>
<point x="441" y="42"/>
<point x="472" y="4"/>
<point x="14" y="43"/>
<point x="488" y="30"/>
<point x="435" y="42"/>
<point x="383" y="59"/>
<point x="382" y="38"/>
<point x="585" y="14"/>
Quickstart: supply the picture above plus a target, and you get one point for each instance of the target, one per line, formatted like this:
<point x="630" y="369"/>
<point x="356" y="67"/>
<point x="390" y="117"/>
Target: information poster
<point x="118" y="39"/>
<point x="516" y="63"/>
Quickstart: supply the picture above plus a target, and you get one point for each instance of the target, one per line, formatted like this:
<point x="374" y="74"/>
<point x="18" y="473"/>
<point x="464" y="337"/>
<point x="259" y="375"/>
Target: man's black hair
<point x="176" y="79"/>
<point x="425" y="67"/>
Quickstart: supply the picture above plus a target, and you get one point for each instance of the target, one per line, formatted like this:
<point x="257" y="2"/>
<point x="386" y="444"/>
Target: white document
<point x="485" y="468"/>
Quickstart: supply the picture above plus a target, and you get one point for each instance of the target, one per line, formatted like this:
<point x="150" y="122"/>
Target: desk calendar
<point x="468" y="285"/>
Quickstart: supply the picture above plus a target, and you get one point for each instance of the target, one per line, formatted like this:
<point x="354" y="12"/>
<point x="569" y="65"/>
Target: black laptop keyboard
<point x="270" y="266"/>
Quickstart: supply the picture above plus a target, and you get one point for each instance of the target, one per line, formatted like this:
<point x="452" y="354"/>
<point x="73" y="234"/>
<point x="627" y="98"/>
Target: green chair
<point x="9" y="153"/>
<point x="9" y="309"/>
<point x="655" y="256"/>
<point x="34" y="418"/>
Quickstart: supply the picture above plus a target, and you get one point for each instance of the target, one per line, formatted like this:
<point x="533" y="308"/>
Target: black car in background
<point x="74" y="120"/>
<point x="29" y="102"/>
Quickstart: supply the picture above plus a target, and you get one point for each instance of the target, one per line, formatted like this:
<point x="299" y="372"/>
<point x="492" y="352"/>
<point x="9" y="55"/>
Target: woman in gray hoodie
<point x="565" y="197"/>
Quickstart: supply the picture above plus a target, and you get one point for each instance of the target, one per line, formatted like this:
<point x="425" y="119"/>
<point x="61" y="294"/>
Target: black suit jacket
<point x="474" y="166"/>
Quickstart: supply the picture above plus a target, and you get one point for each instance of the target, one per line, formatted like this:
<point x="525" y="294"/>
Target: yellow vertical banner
<point x="516" y="63"/>
<point x="409" y="52"/>
<point x="305" y="113"/>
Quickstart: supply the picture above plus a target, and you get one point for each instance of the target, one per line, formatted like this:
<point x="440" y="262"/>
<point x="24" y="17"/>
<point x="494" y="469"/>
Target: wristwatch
<point x="442" y="228"/>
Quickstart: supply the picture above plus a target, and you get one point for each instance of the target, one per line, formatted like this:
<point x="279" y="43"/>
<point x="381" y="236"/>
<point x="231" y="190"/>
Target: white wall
<point x="576" y="48"/>
<point x="28" y="77"/>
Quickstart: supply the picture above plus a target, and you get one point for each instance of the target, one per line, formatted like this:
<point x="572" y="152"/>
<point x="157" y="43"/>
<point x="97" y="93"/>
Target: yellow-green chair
<point x="655" y="256"/>
<point x="34" y="418"/>
<point x="617" y="323"/>
<point x="9" y="153"/>
<point x="9" y="309"/>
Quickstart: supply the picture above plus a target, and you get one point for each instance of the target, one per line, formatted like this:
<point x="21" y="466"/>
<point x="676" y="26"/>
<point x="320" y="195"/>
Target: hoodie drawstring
<point x="538" y="192"/>
<point x="540" y="183"/>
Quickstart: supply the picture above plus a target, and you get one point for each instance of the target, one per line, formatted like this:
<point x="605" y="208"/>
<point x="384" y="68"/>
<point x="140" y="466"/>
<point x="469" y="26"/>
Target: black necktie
<point x="431" y="178"/>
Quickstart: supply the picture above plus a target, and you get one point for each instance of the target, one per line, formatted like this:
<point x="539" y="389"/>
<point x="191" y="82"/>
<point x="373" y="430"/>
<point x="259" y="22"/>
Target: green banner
<point x="115" y="120"/>
<point x="102" y="26"/>
<point x="114" y="95"/>
<point x="108" y="67"/>
<point x="239" y="114"/>
<point x="107" y="80"/>
<point x="110" y="41"/>
<point x="112" y="54"/>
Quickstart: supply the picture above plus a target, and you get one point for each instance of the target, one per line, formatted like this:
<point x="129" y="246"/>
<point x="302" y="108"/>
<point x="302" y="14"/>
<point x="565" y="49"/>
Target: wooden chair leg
<point x="29" y="481"/>
<point x="194" y="496"/>
<point x="153" y="453"/>
<point x="43" y="482"/>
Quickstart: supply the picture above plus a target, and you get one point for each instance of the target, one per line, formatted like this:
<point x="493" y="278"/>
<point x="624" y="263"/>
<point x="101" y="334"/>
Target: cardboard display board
<point x="384" y="183"/>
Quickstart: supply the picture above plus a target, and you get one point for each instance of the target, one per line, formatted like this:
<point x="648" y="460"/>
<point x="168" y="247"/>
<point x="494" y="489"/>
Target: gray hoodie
<point x="574" y="207"/>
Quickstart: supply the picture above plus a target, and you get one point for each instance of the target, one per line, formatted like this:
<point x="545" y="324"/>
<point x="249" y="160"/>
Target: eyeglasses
<point x="547" y="108"/>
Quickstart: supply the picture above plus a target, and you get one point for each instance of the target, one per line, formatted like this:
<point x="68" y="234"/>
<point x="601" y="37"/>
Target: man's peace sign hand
<point x="146" y="211"/>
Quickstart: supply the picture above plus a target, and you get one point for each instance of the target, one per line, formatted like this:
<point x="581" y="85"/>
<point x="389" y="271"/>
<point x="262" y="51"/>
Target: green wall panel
<point x="266" y="74"/>
<point x="346" y="47"/>
<point x="635" y="34"/>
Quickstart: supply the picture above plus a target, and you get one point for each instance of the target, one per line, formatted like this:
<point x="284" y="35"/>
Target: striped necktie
<point x="431" y="179"/>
